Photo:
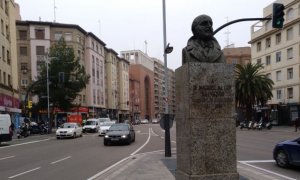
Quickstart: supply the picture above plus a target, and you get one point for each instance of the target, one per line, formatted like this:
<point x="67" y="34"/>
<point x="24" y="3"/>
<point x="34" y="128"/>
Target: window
<point x="0" y="76"/>
<point x="4" y="78"/>
<point x="7" y="32"/>
<point x="8" y="57"/>
<point x="23" y="51"/>
<point x="290" y="93"/>
<point x="268" y="60"/>
<point x="278" y="75"/>
<point x="9" y="80"/>
<point x="57" y="36"/>
<point x="39" y="33"/>
<point x="40" y="50"/>
<point x="2" y="26"/>
<point x="290" y="14"/>
<point x="24" y="82"/>
<point x="23" y="35"/>
<point x="278" y="56"/>
<point x="290" y="73"/>
<point x="290" y="53"/>
<point x="68" y="36"/>
<point x="24" y="66"/>
<point x="234" y="61"/>
<point x="289" y="34"/>
<point x="258" y="48"/>
<point x="258" y="61"/>
<point x="278" y="38"/>
<point x="269" y="75"/>
<point x="3" y="53"/>
<point x="279" y="95"/>
<point x="1" y="4"/>
<point x="268" y="42"/>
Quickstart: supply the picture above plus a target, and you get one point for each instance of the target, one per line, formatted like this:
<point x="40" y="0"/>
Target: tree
<point x="252" y="87"/>
<point x="67" y="78"/>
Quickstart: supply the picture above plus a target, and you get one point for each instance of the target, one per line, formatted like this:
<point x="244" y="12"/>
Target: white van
<point x="103" y="120"/>
<point x="6" y="132"/>
<point x="91" y="125"/>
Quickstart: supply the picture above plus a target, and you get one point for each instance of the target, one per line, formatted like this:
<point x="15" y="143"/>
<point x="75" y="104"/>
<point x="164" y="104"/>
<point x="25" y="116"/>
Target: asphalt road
<point x="45" y="157"/>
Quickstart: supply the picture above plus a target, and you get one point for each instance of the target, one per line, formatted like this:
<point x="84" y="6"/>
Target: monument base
<point x="226" y="176"/>
<point x="205" y="124"/>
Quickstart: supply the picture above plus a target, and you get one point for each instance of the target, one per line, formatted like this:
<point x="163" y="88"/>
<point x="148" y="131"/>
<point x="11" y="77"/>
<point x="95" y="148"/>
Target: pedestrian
<point x="296" y="124"/>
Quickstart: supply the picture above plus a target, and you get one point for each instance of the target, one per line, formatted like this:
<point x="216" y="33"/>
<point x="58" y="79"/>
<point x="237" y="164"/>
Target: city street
<point x="45" y="157"/>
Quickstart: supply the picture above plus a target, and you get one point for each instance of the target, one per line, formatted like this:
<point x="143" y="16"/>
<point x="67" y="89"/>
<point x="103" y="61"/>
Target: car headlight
<point x="106" y="136"/>
<point x="124" y="136"/>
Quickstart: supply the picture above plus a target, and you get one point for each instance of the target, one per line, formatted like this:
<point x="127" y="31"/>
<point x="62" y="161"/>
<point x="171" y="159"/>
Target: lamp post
<point x="48" y="104"/>
<point x="167" y="49"/>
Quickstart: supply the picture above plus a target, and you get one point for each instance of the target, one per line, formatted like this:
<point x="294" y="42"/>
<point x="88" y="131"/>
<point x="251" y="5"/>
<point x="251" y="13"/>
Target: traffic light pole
<point x="240" y="20"/>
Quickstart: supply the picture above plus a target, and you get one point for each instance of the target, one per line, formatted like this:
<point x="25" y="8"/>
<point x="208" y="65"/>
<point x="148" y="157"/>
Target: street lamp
<point x="48" y="104"/>
<point x="167" y="49"/>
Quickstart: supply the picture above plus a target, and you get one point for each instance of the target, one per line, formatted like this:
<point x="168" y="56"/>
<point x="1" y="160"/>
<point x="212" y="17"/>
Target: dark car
<point x="287" y="153"/>
<point x="119" y="133"/>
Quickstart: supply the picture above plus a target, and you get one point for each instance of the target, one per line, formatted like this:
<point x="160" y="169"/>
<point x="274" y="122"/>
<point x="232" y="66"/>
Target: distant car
<point x="102" y="120"/>
<point x="287" y="153"/>
<point x="71" y="130"/>
<point x="155" y="121"/>
<point x="144" y="121"/>
<point x="104" y="127"/>
<point x="136" y="122"/>
<point x="119" y="133"/>
<point x="91" y="125"/>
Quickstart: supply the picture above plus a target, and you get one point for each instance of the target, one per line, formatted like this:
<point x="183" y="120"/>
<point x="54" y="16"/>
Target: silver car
<point x="104" y="127"/>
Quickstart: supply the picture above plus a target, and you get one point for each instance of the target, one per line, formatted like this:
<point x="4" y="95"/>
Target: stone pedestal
<point x="205" y="127"/>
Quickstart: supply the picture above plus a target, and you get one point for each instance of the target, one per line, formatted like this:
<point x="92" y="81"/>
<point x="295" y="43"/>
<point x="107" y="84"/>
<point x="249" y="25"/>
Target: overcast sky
<point x="127" y="24"/>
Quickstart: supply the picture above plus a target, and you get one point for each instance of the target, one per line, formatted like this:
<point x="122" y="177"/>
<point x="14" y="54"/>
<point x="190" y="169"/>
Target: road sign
<point x="162" y="122"/>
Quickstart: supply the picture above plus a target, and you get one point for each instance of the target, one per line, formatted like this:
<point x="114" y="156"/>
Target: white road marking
<point x="7" y="157"/>
<point x="25" y="172"/>
<point x="54" y="162"/>
<point x="30" y="142"/>
<point x="153" y="132"/>
<point x="265" y="170"/>
<point x="257" y="161"/>
<point x="119" y="162"/>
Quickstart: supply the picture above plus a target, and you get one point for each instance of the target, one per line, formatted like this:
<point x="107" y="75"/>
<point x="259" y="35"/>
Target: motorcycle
<point x="243" y="125"/>
<point x="23" y="131"/>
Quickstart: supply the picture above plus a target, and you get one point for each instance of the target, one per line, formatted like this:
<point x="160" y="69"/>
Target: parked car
<point x="119" y="133"/>
<point x="136" y="122"/>
<point x="287" y="153"/>
<point x="144" y="121"/>
<point x="155" y="121"/>
<point x="104" y="127"/>
<point x="72" y="130"/>
<point x="91" y="125"/>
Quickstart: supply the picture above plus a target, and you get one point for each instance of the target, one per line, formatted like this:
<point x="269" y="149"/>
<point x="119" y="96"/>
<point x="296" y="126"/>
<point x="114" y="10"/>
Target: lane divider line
<point x="122" y="160"/>
<point x="265" y="170"/>
<point x="153" y="132"/>
<point x="54" y="162"/>
<point x="7" y="157"/>
<point x="31" y="142"/>
<point x="25" y="172"/>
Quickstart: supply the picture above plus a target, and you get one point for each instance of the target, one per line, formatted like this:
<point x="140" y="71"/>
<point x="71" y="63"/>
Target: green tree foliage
<point x="61" y="93"/>
<point x="252" y="87"/>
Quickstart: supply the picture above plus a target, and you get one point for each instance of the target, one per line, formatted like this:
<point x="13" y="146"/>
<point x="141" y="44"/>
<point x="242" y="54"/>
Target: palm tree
<point x="252" y="87"/>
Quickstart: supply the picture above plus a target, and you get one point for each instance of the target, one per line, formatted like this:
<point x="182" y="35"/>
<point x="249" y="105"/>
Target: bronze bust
<point x="202" y="46"/>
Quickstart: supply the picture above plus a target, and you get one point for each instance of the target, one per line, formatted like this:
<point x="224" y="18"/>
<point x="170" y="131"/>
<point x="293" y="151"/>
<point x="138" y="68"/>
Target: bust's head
<point x="202" y="27"/>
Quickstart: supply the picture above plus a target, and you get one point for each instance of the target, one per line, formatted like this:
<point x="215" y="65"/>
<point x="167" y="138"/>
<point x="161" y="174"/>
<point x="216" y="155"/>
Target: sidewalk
<point x="155" y="166"/>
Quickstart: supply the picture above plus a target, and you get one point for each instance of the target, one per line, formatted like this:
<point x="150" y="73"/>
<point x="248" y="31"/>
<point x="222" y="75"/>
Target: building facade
<point x="278" y="51"/>
<point x="238" y="55"/>
<point x="9" y="86"/>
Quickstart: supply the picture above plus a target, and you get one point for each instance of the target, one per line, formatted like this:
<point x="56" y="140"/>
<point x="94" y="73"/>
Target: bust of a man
<point x="202" y="46"/>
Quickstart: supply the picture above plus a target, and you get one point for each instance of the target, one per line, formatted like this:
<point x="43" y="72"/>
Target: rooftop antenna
<point x="227" y="33"/>
<point x="54" y="8"/>
<point x="146" y="43"/>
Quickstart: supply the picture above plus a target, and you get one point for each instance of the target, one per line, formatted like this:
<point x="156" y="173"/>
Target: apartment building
<point x="237" y="55"/>
<point x="95" y="66"/>
<point x="34" y="39"/>
<point x="160" y="100"/>
<point x="9" y="87"/>
<point x="117" y="85"/>
<point x="278" y="51"/>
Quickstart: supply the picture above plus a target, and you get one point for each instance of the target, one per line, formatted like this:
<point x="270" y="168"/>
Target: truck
<point x="6" y="131"/>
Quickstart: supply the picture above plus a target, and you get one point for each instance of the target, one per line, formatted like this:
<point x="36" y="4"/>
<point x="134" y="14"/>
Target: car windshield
<point x="104" y="120"/>
<point x="68" y="125"/>
<point x="90" y="123"/>
<point x="107" y="124"/>
<point x="118" y="127"/>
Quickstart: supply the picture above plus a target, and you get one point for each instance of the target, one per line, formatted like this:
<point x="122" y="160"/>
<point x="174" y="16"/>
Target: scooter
<point x="23" y="131"/>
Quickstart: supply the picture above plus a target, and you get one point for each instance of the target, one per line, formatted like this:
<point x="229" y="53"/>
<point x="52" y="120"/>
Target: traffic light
<point x="29" y="104"/>
<point x="277" y="16"/>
